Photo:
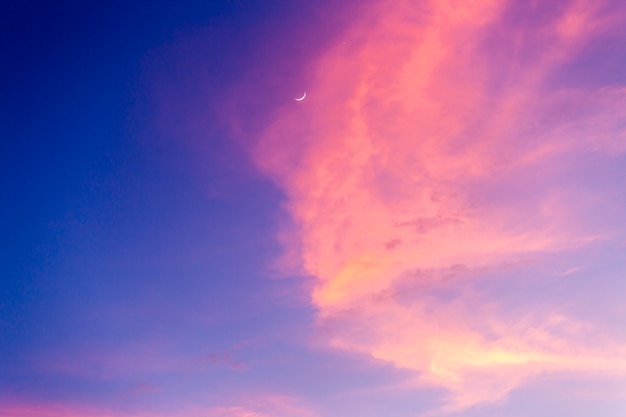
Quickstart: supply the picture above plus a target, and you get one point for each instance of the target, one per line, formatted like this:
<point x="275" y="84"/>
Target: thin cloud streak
<point x="267" y="405"/>
<point x="434" y="145"/>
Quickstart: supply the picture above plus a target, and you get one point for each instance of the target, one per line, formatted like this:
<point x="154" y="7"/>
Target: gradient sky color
<point x="438" y="229"/>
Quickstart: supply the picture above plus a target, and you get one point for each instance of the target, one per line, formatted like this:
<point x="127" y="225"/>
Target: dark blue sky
<point x="101" y="210"/>
<point x="138" y="238"/>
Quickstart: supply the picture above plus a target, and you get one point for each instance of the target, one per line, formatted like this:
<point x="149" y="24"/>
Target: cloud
<point x="224" y="359"/>
<point x="81" y="412"/>
<point x="437" y="156"/>
<point x="268" y="405"/>
<point x="144" y="388"/>
<point x="50" y="411"/>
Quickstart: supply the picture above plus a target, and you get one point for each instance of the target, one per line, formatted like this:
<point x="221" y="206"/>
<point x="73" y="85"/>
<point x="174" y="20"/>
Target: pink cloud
<point x="149" y="358"/>
<point x="267" y="405"/>
<point x="51" y="411"/>
<point x="431" y="140"/>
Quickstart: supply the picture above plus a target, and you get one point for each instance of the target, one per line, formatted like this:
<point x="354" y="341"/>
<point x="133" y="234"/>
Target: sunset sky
<point x="438" y="229"/>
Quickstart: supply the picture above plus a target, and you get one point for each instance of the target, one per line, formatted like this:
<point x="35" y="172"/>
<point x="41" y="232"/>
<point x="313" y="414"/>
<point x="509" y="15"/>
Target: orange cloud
<point x="432" y="147"/>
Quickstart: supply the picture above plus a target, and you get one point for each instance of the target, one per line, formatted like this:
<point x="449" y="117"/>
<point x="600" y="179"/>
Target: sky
<point x="438" y="229"/>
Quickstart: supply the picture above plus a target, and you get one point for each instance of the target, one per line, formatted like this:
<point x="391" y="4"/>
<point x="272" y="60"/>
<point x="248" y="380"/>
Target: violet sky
<point x="437" y="230"/>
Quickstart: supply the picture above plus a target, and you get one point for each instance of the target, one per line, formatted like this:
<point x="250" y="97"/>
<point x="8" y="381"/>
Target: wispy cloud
<point x="436" y="146"/>
<point x="257" y="405"/>
<point x="223" y="359"/>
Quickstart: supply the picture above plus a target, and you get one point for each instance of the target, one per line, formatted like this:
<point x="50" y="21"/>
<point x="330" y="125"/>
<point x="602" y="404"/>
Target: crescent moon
<point x="301" y="98"/>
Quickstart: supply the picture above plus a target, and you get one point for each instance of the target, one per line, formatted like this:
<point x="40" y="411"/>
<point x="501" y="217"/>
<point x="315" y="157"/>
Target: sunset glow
<point x="436" y="227"/>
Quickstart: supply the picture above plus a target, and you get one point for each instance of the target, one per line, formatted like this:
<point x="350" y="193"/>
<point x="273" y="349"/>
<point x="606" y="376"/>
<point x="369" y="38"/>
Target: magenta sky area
<point x="438" y="229"/>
